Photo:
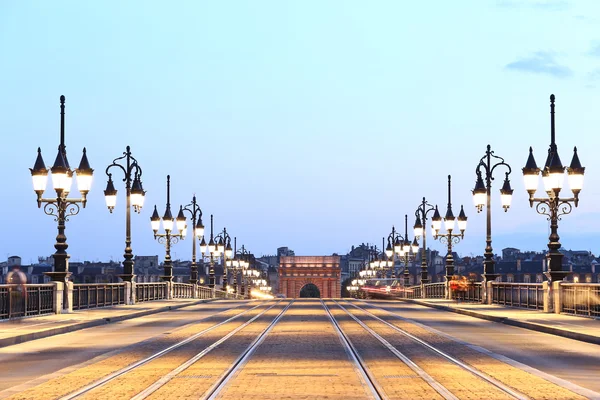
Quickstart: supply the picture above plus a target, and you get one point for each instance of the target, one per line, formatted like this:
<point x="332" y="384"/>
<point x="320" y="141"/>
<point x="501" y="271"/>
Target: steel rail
<point x="376" y="389"/>
<point x="243" y="358"/>
<point x="438" y="387"/>
<point x="103" y="381"/>
<point x="510" y="391"/>
<point x="168" y="377"/>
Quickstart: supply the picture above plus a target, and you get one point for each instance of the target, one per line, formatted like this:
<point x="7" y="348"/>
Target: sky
<point x="309" y="124"/>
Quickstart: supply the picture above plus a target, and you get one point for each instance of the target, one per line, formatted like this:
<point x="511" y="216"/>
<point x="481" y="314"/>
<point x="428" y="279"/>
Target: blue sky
<point x="309" y="124"/>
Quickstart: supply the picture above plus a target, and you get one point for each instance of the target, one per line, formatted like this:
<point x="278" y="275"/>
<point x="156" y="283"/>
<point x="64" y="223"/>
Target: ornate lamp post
<point x="482" y="195"/>
<point x="134" y="197"/>
<point x="401" y="247"/>
<point x="168" y="238"/>
<point x="210" y="251"/>
<point x="243" y="264"/>
<point x="61" y="207"/>
<point x="223" y="248"/>
<point x="420" y="222"/>
<point x="237" y="265"/>
<point x="196" y="213"/>
<point x="449" y="238"/>
<point x="553" y="206"/>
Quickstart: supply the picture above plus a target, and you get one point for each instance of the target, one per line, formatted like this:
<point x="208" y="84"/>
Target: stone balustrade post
<point x="169" y="290"/>
<point x="129" y="292"/>
<point x="557" y="294"/>
<point x="489" y="292"/>
<point x="195" y="291"/>
<point x="547" y="296"/>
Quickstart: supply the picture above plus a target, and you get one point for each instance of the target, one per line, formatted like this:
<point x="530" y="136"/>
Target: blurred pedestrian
<point x="18" y="291"/>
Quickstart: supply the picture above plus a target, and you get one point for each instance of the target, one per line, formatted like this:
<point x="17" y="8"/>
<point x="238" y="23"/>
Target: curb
<point x="10" y="341"/>
<point x="582" y="337"/>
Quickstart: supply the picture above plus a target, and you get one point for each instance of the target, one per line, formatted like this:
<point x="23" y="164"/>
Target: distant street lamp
<point x="237" y="265"/>
<point x="196" y="213"/>
<point x="134" y="197"/>
<point x="61" y="207"/>
<point x="210" y="251"/>
<point x="168" y="238"/>
<point x="420" y="231"/>
<point x="223" y="248"/>
<point x="242" y="256"/>
<point x="482" y="195"/>
<point x="553" y="206"/>
<point x="449" y="238"/>
<point x="400" y="246"/>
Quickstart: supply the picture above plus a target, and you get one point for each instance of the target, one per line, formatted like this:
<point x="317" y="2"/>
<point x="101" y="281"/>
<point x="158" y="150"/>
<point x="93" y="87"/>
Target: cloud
<point x="546" y="5"/>
<point x="540" y="63"/>
<point x="594" y="75"/>
<point x="595" y="50"/>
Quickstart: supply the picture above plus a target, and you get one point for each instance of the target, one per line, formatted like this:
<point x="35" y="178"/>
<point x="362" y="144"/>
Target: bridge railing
<point x="522" y="295"/>
<point x="95" y="295"/>
<point x="149" y="291"/>
<point x="471" y="293"/>
<point x="14" y="303"/>
<point x="581" y="299"/>
<point x="435" y="290"/>
<point x="204" y="292"/>
<point x="183" y="290"/>
<point x="413" y="292"/>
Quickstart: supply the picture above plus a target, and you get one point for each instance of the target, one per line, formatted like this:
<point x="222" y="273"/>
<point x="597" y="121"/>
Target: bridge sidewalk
<point x="31" y="328"/>
<point x="578" y="328"/>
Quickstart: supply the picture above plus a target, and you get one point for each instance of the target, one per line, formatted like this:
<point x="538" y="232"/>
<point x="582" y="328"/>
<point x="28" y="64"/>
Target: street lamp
<point x="553" y="206"/>
<point x="210" y="251"/>
<point x="482" y="194"/>
<point x="243" y="258"/>
<point x="168" y="238"/>
<point x="237" y="266"/>
<point x="196" y="213"/>
<point x="408" y="251"/>
<point x="134" y="196"/>
<point x="420" y="222"/>
<point x="449" y="238"/>
<point x="61" y="207"/>
<point x="223" y="248"/>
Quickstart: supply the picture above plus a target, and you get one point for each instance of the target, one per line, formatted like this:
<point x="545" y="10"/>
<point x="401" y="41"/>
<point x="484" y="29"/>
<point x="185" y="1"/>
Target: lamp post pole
<point x="168" y="238"/>
<point x="482" y="195"/>
<point x="553" y="206"/>
<point x="209" y="251"/>
<point x="408" y="251"/>
<point x="61" y="207"/>
<point x="449" y="238"/>
<point x="224" y="249"/>
<point x="420" y="229"/>
<point x="196" y="213"/>
<point x="134" y="196"/>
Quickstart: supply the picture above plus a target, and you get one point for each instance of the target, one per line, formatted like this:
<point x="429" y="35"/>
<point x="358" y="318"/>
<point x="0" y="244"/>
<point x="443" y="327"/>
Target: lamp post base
<point x="127" y="277"/>
<point x="193" y="281"/>
<point x="167" y="278"/>
<point x="490" y="277"/>
<point x="555" y="276"/>
<point x="59" y="276"/>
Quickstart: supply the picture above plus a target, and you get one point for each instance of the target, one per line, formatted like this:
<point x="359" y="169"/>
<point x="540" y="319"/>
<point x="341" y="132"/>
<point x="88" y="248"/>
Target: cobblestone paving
<point x="302" y="358"/>
<point x="457" y="380"/>
<point x="397" y="380"/>
<point x="194" y="382"/>
<point x="522" y="381"/>
<point x="63" y="385"/>
<point x="138" y="379"/>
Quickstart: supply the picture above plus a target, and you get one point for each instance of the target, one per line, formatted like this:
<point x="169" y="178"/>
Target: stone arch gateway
<point x="296" y="272"/>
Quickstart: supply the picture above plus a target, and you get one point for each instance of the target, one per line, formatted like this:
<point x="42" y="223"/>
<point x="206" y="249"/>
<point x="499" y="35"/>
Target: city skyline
<point x="315" y="126"/>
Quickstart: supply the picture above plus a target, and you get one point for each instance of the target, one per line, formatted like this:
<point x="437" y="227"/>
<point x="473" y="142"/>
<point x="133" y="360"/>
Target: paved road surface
<point x="304" y="349"/>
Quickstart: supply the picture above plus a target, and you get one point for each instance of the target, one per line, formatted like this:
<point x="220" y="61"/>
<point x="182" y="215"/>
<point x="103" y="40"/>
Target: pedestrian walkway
<point x="23" y="330"/>
<point x="578" y="328"/>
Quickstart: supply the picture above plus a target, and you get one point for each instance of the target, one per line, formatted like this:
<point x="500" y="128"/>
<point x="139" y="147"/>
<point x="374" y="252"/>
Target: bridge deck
<point x="303" y="349"/>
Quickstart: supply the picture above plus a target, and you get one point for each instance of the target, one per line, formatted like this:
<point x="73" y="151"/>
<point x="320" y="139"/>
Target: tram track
<point x="89" y="389"/>
<point x="438" y="386"/>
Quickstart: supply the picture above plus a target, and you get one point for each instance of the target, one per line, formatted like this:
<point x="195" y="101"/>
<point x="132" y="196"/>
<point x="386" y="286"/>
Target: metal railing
<point x="149" y="291"/>
<point x="204" y="293"/>
<point x="220" y="294"/>
<point x="97" y="295"/>
<point x="581" y="299"/>
<point x="413" y="292"/>
<point x="472" y="292"/>
<point x="14" y="303"/>
<point x="183" y="290"/>
<point x="435" y="290"/>
<point x="523" y="295"/>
